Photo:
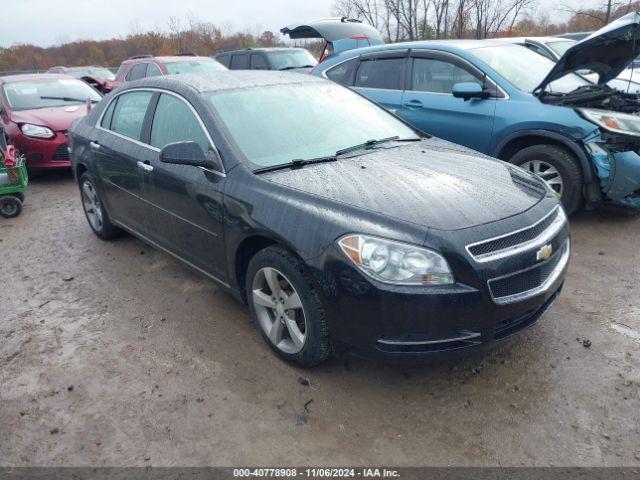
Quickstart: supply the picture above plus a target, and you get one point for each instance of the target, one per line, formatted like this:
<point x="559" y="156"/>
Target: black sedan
<point x="344" y="229"/>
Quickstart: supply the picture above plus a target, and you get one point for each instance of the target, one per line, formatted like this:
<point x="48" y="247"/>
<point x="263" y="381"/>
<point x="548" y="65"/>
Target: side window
<point x="108" y="115"/>
<point x="239" y="62"/>
<point x="342" y="73"/>
<point x="129" y="113"/>
<point x="380" y="73"/>
<point x="138" y="71"/>
<point x="153" y="70"/>
<point x="223" y="59"/>
<point x="174" y="121"/>
<point x="438" y="76"/>
<point x="258" y="62"/>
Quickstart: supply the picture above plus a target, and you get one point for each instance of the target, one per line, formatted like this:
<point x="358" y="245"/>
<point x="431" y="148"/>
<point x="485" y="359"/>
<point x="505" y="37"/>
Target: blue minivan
<point x="509" y="102"/>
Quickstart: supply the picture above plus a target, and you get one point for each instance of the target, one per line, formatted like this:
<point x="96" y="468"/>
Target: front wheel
<point x="558" y="168"/>
<point x="286" y="308"/>
<point x="94" y="209"/>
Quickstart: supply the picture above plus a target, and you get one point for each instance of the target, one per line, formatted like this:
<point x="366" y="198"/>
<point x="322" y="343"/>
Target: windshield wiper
<point x="296" y="163"/>
<point x="293" y="68"/>
<point x="369" y="144"/>
<point x="67" y="99"/>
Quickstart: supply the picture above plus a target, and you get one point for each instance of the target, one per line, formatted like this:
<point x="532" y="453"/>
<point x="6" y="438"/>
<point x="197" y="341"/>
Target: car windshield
<point x="277" y="124"/>
<point x="102" y="73"/>
<point x="290" y="59"/>
<point x="43" y="93"/>
<point x="201" y="65"/>
<point x="525" y="69"/>
<point x="561" y="46"/>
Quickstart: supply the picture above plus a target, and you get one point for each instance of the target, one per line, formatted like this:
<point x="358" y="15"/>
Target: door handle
<point x="94" y="145"/>
<point x="146" y="166"/>
<point x="413" y="103"/>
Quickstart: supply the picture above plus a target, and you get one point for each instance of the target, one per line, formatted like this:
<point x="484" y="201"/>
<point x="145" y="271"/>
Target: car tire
<point x="10" y="206"/>
<point x="281" y="327"/>
<point x="94" y="209"/>
<point x="551" y="162"/>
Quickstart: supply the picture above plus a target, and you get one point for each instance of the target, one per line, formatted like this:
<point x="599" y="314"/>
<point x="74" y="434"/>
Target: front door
<point x="187" y="200"/>
<point x="429" y="105"/>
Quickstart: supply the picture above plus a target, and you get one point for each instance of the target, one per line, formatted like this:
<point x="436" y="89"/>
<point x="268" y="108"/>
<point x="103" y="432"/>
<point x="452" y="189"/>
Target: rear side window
<point x="380" y="73"/>
<point x="153" y="70"/>
<point x="108" y="115"/>
<point x="138" y="71"/>
<point x="129" y="113"/>
<point x="223" y="59"/>
<point x="174" y="121"/>
<point x="240" y="62"/>
<point x="342" y="73"/>
<point x="258" y="62"/>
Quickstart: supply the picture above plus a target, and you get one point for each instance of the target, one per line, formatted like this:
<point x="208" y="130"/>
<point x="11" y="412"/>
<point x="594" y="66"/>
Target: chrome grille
<point x="520" y="240"/>
<point x="531" y="281"/>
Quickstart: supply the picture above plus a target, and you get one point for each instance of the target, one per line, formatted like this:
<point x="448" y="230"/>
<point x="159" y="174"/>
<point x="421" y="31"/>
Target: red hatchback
<point x="142" y="66"/>
<point x="36" y="112"/>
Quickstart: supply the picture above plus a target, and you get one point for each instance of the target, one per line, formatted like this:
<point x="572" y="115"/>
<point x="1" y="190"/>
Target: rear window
<point x="129" y="113"/>
<point x="380" y="73"/>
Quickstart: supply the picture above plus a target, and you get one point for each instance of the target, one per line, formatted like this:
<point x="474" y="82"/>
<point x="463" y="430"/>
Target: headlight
<point x="37" y="131"/>
<point x="395" y="262"/>
<point x="616" y="122"/>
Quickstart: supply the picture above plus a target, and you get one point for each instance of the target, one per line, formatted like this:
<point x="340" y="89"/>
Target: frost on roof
<point x="206" y="82"/>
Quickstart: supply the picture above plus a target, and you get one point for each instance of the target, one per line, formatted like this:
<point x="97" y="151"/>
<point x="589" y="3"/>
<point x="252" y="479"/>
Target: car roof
<point x="32" y="76"/>
<point x="259" y="49"/>
<point x="223" y="80"/>
<point x="534" y="39"/>
<point x="167" y="59"/>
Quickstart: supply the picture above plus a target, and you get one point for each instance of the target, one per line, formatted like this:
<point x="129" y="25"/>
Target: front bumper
<point x="43" y="153"/>
<point x="398" y="323"/>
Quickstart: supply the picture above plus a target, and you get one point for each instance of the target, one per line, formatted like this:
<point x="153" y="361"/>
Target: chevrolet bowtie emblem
<point x="544" y="253"/>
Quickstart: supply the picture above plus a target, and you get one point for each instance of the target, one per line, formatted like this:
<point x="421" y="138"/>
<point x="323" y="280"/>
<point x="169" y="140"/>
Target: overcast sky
<point x="48" y="22"/>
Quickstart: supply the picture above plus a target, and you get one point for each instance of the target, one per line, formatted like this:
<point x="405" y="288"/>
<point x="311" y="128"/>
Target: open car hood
<point x="343" y="33"/>
<point x="606" y="52"/>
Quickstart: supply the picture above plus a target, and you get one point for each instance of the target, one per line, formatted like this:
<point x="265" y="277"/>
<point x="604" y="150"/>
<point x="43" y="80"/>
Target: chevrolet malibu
<point x="343" y="229"/>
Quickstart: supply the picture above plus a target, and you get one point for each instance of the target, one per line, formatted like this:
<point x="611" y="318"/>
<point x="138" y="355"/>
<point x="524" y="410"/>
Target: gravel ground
<point x="115" y="354"/>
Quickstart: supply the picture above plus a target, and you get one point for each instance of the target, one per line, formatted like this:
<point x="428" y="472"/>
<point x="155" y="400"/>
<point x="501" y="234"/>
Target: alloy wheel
<point x="279" y="310"/>
<point x="547" y="172"/>
<point x="92" y="205"/>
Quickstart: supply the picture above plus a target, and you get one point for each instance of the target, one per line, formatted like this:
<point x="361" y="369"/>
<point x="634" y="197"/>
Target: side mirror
<point x="190" y="153"/>
<point x="467" y="90"/>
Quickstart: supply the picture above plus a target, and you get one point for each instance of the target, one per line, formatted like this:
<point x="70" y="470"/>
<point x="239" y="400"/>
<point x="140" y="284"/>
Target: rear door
<point x="121" y="158"/>
<point x="239" y="61"/>
<point x="429" y="105"/>
<point x="381" y="77"/>
<point x="187" y="200"/>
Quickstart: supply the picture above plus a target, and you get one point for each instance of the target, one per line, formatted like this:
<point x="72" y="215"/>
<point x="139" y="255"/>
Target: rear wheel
<point x="558" y="168"/>
<point x="286" y="308"/>
<point x="94" y="209"/>
<point x="10" y="206"/>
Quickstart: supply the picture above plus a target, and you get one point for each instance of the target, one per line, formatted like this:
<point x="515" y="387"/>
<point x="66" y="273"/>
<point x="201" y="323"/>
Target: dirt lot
<point x="115" y="354"/>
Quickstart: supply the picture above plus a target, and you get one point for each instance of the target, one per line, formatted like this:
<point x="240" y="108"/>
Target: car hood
<point x="56" y="118"/>
<point x="343" y="33"/>
<point x="607" y="52"/>
<point x="433" y="184"/>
